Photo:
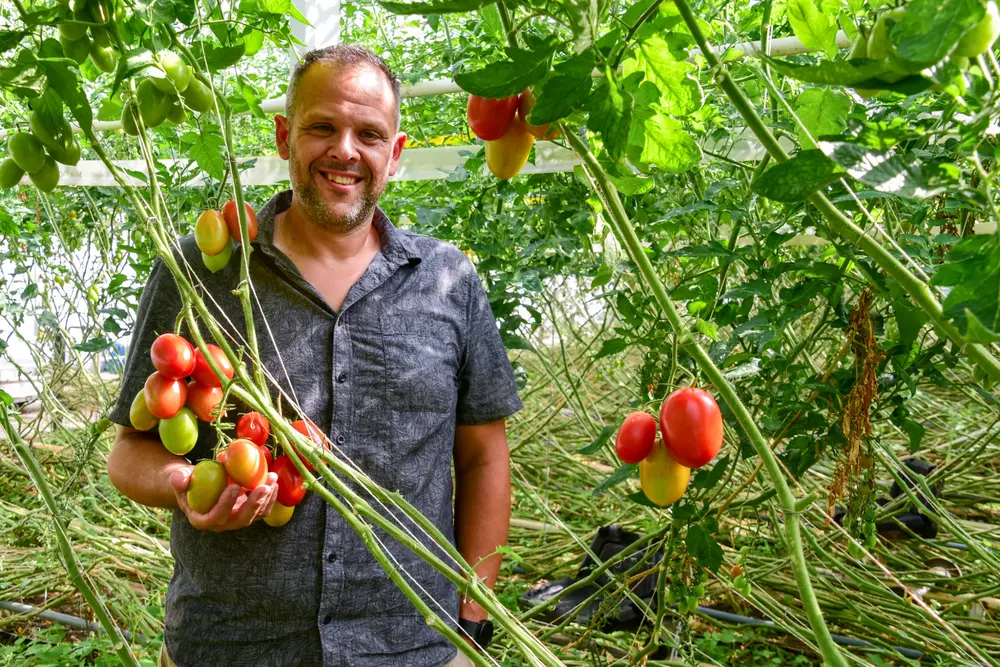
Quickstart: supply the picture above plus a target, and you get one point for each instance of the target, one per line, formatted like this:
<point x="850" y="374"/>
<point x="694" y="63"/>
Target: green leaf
<point x="507" y="77"/>
<point x="6" y="398"/>
<point x="93" y="345"/>
<point x="617" y="477"/>
<point x="434" y="6"/>
<point x="219" y="57"/>
<point x="208" y="150"/>
<point x="11" y="38"/>
<point x="815" y="28"/>
<point x="973" y="273"/>
<point x="822" y="111"/>
<point x="598" y="442"/>
<point x="929" y="29"/>
<point x="64" y="77"/>
<point x="883" y="170"/>
<point x="796" y="179"/>
<point x="639" y="498"/>
<point x="584" y="20"/>
<point x="566" y="88"/>
<point x="703" y="547"/>
<point x="664" y="143"/>
<point x="603" y="276"/>
<point x="111" y="109"/>
<point x="842" y="73"/>
<point x="623" y="179"/>
<point x="916" y="434"/>
<point x="706" y="479"/>
<point x="611" y="346"/>
<point x="610" y="115"/>
<point x="680" y="94"/>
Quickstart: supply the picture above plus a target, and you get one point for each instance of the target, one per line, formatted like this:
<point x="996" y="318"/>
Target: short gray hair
<point x="349" y="55"/>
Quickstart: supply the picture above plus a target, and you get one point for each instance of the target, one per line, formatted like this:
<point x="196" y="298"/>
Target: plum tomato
<point x="490" y="118"/>
<point x="179" y="434"/>
<point x="202" y="373"/>
<point x="140" y="416"/>
<point x="164" y="396"/>
<point x="172" y="356"/>
<point x="253" y="426"/>
<point x="691" y="425"/>
<point x="244" y="464"/>
<point x="210" y="233"/>
<point x="635" y="437"/>
<point x="207" y="482"/>
<point x="232" y="218"/>
<point x="662" y="478"/>
<point x="279" y="516"/>
<point x="291" y="485"/>
<point x="205" y="401"/>
<point x="266" y="453"/>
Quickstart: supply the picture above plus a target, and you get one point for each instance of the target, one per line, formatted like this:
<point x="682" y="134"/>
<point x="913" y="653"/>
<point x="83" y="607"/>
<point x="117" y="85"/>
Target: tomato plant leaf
<point x="11" y="38"/>
<point x="883" y="170"/>
<point x="434" y="6"/>
<point x="64" y="77"/>
<point x="584" y="20"/>
<point x="706" y="479"/>
<point x="973" y="273"/>
<point x="219" y="57"/>
<point x="661" y="141"/>
<point x="610" y="115"/>
<point x="815" y="27"/>
<point x="703" y="547"/>
<point x="639" y="498"/>
<point x="507" y="77"/>
<point x="823" y="111"/>
<point x="566" y="88"/>
<point x="680" y="94"/>
<point x="207" y="149"/>
<point x="798" y="178"/>
<point x="617" y="477"/>
<point x="599" y="441"/>
<point x="93" y="345"/>
<point x="611" y="346"/>
<point x="929" y="29"/>
<point x="831" y="72"/>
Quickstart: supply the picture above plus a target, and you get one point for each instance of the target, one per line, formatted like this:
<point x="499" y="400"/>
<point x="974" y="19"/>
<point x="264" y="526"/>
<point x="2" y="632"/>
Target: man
<point x="386" y="341"/>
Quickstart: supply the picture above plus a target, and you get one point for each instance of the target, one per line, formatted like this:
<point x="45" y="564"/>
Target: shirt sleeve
<point x="486" y="387"/>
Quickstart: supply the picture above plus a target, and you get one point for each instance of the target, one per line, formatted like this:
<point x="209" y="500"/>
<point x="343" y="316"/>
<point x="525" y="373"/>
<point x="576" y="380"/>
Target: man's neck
<point x="298" y="236"/>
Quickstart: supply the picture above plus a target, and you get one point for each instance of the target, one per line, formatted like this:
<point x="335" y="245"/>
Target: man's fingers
<point x="179" y="478"/>
<point x="218" y="516"/>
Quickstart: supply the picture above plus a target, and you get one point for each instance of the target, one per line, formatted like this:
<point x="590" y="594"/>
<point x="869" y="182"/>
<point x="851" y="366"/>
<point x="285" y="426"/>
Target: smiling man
<point x="386" y="341"/>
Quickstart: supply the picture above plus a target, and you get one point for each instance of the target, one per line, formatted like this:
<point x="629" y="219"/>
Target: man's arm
<point x="142" y="469"/>
<point x="482" y="501"/>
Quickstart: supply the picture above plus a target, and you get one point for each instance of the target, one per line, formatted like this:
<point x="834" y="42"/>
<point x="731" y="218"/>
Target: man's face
<point x="342" y="144"/>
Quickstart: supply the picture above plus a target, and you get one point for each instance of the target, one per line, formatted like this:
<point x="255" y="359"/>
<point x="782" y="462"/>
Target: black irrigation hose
<point x="840" y="639"/>
<point x="64" y="619"/>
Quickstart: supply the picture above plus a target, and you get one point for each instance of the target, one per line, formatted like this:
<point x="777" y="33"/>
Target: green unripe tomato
<point x="207" y="482"/>
<point x="76" y="50"/>
<point x="100" y="35"/>
<point x="10" y="174"/>
<point x="68" y="153"/>
<point x="153" y="103"/>
<point x="978" y="39"/>
<point x="177" y="114"/>
<point x="216" y="263"/>
<point x="140" y="416"/>
<point x="179" y="434"/>
<point x="27" y="151"/>
<point x="105" y="58"/>
<point x="129" y="124"/>
<point x="698" y="591"/>
<point x="198" y="97"/>
<point x="72" y="31"/>
<point x="50" y="137"/>
<point x="47" y="178"/>
<point x="176" y="74"/>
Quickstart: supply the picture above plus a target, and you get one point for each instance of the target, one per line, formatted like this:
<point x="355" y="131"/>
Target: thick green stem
<point x="837" y="221"/>
<point x="73" y="567"/>
<point x="626" y="232"/>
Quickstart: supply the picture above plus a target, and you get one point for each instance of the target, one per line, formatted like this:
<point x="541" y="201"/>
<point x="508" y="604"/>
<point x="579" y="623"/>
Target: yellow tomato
<point x="507" y="155"/>
<point x="663" y="479"/>
<point x="279" y="515"/>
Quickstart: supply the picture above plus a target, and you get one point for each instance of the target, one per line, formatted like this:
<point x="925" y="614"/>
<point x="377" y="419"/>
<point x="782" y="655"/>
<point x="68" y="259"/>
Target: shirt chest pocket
<point x="421" y="356"/>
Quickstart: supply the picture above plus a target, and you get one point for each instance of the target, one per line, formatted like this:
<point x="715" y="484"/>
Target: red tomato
<point x="172" y="355"/>
<point x="244" y="464"/>
<point x="202" y="373"/>
<point x="525" y="101"/>
<point x="266" y="453"/>
<point x="691" y="425"/>
<point x="489" y="119"/>
<point x="164" y="396"/>
<point x="204" y="401"/>
<point x="291" y="485"/>
<point x="232" y="217"/>
<point x="636" y="437"/>
<point x="253" y="426"/>
<point x="312" y="432"/>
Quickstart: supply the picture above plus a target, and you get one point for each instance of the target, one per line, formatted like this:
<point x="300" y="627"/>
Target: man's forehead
<point x="325" y="80"/>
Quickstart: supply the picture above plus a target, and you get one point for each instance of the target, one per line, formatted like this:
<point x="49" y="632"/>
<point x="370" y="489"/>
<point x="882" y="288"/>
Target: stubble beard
<point x="319" y="209"/>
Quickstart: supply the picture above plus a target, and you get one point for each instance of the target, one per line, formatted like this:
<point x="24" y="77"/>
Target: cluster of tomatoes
<point x="168" y="91"/>
<point x="173" y="404"/>
<point x="691" y="430"/>
<point x="215" y="233"/>
<point x="169" y="402"/>
<point x="502" y="124"/>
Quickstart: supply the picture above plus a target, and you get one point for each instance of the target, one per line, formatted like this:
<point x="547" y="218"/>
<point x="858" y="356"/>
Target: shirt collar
<point x="397" y="246"/>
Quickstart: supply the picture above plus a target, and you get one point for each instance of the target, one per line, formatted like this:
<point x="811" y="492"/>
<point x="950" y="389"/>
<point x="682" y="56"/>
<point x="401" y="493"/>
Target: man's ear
<point x="397" y="151"/>
<point x="281" y="130"/>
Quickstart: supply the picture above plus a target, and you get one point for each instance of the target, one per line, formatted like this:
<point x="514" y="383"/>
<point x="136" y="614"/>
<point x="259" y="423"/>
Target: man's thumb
<point x="179" y="478"/>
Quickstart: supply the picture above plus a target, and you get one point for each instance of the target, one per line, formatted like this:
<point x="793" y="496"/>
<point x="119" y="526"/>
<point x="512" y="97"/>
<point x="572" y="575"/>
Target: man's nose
<point x="343" y="147"/>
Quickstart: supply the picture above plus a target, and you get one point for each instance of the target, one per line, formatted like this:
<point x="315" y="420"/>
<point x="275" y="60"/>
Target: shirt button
<point x="342" y="378"/>
<point x="331" y="557"/>
<point x="327" y="619"/>
<point x="340" y="439"/>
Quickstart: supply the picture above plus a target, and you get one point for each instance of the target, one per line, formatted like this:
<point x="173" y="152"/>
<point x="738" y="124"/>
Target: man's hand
<point x="234" y="509"/>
